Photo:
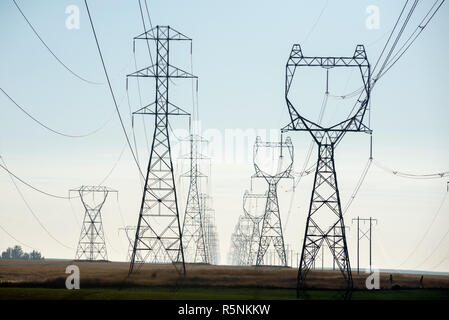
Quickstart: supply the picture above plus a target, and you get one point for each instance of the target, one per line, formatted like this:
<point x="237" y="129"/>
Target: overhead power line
<point x="31" y="186"/>
<point x="111" y="90"/>
<point x="15" y="239"/>
<point x="425" y="233"/>
<point x="49" y="128"/>
<point x="51" y="51"/>
<point x="437" y="175"/>
<point x="33" y="213"/>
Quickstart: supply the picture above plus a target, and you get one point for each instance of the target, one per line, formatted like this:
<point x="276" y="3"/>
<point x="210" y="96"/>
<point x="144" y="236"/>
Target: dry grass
<point x="51" y="274"/>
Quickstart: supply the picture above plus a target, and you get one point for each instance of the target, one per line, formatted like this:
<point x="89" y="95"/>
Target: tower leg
<point x="325" y="220"/>
<point x="271" y="228"/>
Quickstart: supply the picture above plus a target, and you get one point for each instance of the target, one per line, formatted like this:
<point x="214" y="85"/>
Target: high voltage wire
<point x="316" y="21"/>
<point x="59" y="196"/>
<point x="437" y="175"/>
<point x="49" y="128"/>
<point x="31" y="186"/>
<point x="113" y="167"/>
<point x="425" y="233"/>
<point x="389" y="63"/>
<point x="15" y="239"/>
<point x="51" y="51"/>
<point x="111" y="90"/>
<point x="359" y="184"/>
<point x="33" y="213"/>
<point x="435" y="249"/>
<point x="413" y="37"/>
<point x="391" y="35"/>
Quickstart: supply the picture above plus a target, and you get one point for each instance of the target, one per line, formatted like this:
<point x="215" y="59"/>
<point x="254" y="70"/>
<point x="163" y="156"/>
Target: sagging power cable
<point x="33" y="213"/>
<point x="111" y="90"/>
<point x="51" y="51"/>
<point x="49" y="128"/>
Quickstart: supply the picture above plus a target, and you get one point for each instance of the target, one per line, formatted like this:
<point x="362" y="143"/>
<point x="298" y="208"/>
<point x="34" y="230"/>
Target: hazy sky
<point x="239" y="53"/>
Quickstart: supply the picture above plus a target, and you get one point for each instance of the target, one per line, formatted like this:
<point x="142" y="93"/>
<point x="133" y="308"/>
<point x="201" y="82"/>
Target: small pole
<point x="322" y="258"/>
<point x="370" y="233"/>
<point x="358" y="246"/>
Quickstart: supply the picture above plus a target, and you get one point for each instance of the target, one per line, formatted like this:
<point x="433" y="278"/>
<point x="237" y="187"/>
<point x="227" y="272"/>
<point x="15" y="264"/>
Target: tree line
<point x="17" y="253"/>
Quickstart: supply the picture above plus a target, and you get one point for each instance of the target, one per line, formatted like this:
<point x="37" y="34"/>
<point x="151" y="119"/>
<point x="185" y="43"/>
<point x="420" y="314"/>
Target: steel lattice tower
<point x="92" y="244"/>
<point x="240" y="241"/>
<point x="209" y="229"/>
<point x="193" y="228"/>
<point x="325" y="201"/>
<point x="158" y="233"/>
<point x="271" y="231"/>
<point x="256" y="225"/>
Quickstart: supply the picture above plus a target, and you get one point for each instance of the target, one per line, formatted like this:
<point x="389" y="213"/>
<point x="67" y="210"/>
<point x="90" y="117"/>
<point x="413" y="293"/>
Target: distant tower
<point x="92" y="244"/>
<point x="271" y="232"/>
<point x="210" y="230"/>
<point x="158" y="234"/>
<point x="325" y="223"/>
<point x="193" y="228"/>
<point x="256" y="220"/>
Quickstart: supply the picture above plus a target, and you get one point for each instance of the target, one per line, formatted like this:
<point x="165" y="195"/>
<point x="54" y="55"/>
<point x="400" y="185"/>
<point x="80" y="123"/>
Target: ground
<point x="109" y="280"/>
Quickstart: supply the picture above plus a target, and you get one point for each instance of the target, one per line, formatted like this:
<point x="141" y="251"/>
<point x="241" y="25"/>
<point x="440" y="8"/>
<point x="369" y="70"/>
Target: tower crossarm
<point x="165" y="32"/>
<point x="355" y="122"/>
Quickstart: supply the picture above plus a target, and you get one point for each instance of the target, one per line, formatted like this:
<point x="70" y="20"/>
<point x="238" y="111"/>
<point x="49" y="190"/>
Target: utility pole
<point x="325" y="199"/>
<point x="92" y="243"/>
<point x="367" y="233"/>
<point x="158" y="232"/>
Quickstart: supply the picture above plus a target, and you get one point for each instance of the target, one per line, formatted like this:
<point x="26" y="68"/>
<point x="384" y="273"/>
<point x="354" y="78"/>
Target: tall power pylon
<point x="256" y="220"/>
<point x="241" y="240"/>
<point x="130" y="232"/>
<point x="193" y="228"/>
<point x="271" y="232"/>
<point x="325" y="214"/>
<point x="367" y="234"/>
<point x="92" y="243"/>
<point x="210" y="230"/>
<point x="158" y="227"/>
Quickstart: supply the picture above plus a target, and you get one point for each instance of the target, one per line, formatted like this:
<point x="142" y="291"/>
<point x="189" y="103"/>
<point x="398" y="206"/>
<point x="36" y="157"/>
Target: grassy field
<point x="213" y="294"/>
<point x="109" y="280"/>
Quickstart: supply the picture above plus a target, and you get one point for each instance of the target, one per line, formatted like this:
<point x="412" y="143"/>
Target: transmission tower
<point x="210" y="230"/>
<point x="325" y="213"/>
<point x="130" y="232"/>
<point x="256" y="220"/>
<point x="367" y="234"/>
<point x="240" y="241"/>
<point x="92" y="243"/>
<point x="158" y="232"/>
<point x="271" y="232"/>
<point x="193" y="228"/>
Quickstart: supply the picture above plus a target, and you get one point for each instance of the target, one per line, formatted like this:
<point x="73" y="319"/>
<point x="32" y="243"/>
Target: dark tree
<point x="17" y="253"/>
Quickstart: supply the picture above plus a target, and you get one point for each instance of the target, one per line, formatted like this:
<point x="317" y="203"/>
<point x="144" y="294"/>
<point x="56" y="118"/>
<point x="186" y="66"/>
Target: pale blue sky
<point x="239" y="53"/>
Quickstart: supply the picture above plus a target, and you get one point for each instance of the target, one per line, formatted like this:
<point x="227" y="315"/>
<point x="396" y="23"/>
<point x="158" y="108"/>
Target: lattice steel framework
<point x="130" y="232"/>
<point x="193" y="228"/>
<point x="271" y="232"/>
<point x="325" y="201"/>
<point x="92" y="243"/>
<point x="256" y="220"/>
<point x="240" y="241"/>
<point x="210" y="230"/>
<point x="158" y="233"/>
